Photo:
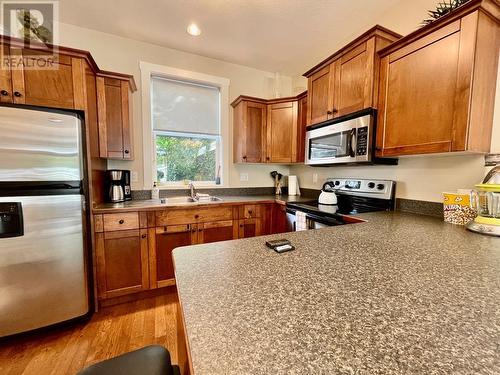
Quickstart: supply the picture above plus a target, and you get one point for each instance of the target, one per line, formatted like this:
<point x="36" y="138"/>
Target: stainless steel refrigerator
<point x="43" y="277"/>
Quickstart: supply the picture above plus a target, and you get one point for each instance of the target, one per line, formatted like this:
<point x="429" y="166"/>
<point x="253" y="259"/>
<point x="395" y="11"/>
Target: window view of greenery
<point x="180" y="158"/>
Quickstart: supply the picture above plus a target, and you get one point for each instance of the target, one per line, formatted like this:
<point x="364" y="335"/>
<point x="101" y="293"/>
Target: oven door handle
<point x="325" y="220"/>
<point x="352" y="143"/>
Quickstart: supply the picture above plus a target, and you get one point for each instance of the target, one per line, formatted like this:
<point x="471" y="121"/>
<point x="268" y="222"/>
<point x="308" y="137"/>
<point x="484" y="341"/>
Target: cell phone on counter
<point x="280" y="246"/>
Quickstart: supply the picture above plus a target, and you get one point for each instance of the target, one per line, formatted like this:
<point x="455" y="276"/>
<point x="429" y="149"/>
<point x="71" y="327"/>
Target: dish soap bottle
<point x="155" y="191"/>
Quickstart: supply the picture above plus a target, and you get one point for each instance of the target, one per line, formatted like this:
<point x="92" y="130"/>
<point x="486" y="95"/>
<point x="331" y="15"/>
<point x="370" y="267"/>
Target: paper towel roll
<point x="293" y="185"/>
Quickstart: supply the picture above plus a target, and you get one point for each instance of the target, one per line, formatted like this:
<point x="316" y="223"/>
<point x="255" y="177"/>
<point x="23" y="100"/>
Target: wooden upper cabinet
<point x="346" y="82"/>
<point x="38" y="79"/>
<point x="269" y="131"/>
<point x="6" y="95"/>
<point x="115" y="135"/>
<point x="354" y="79"/>
<point x="437" y="86"/>
<point x="301" y="128"/>
<point x="249" y="131"/>
<point x="282" y="130"/>
<point x="320" y="95"/>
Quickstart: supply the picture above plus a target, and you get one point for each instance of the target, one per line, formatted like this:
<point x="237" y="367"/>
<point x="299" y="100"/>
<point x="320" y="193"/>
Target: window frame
<point x="149" y="70"/>
<point x="218" y="154"/>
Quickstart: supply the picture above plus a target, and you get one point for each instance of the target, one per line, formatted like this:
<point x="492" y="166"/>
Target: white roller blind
<point x="185" y="107"/>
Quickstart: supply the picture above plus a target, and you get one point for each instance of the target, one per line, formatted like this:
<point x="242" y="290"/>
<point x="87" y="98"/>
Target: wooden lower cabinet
<point x="122" y="262"/>
<point x="163" y="240"/>
<point x="134" y="249"/>
<point x="279" y="220"/>
<point x="218" y="231"/>
<point x="249" y="228"/>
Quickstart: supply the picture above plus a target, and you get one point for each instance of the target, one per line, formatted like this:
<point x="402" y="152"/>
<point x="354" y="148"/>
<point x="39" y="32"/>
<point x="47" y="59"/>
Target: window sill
<point x="196" y="186"/>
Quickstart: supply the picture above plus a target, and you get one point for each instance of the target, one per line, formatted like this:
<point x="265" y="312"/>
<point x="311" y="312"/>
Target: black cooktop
<point x="347" y="205"/>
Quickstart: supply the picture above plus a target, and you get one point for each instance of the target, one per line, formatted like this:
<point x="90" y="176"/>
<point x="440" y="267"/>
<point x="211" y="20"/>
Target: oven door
<point x="346" y="141"/>
<point x="318" y="222"/>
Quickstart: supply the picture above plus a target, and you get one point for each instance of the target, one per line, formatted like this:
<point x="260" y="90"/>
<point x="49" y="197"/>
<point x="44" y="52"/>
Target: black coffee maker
<point x="118" y="185"/>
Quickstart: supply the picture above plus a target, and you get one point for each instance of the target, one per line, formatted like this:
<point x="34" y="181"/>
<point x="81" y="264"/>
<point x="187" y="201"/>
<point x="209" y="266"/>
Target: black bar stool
<point x="150" y="360"/>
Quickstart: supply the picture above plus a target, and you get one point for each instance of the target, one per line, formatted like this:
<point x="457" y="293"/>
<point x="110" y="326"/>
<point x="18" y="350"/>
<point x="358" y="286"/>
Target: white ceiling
<point x="275" y="35"/>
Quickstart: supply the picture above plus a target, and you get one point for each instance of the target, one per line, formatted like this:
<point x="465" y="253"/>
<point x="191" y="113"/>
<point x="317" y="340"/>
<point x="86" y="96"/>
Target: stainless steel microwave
<point x="348" y="139"/>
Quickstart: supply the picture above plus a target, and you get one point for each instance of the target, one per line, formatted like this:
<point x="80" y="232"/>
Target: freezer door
<point x="42" y="273"/>
<point x="39" y="145"/>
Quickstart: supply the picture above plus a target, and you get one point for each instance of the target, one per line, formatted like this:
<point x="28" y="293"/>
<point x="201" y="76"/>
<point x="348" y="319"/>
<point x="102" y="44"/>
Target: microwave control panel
<point x="362" y="141"/>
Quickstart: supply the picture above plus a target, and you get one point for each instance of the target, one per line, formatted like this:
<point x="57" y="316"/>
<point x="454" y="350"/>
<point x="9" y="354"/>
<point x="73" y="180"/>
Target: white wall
<point x="422" y="177"/>
<point x="123" y="55"/>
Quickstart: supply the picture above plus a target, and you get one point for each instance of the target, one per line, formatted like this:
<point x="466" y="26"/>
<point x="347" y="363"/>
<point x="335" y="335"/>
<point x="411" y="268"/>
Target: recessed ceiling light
<point x="193" y="29"/>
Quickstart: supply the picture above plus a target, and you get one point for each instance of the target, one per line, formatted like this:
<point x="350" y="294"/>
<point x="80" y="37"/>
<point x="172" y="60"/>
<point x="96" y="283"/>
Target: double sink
<point x="174" y="200"/>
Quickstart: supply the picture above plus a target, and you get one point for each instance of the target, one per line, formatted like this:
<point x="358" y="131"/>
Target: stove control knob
<point x="371" y="185"/>
<point x="380" y="186"/>
<point x="337" y="183"/>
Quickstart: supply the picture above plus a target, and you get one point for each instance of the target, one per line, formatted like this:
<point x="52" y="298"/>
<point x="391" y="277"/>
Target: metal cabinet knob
<point x="4" y="92"/>
<point x="127" y="151"/>
<point x="121" y="221"/>
<point x="196" y="216"/>
<point x="17" y="94"/>
<point x="144" y="236"/>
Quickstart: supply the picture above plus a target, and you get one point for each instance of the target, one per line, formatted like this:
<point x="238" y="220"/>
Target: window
<point x="186" y="128"/>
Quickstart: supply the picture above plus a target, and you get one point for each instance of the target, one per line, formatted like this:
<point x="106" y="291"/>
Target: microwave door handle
<point x="352" y="143"/>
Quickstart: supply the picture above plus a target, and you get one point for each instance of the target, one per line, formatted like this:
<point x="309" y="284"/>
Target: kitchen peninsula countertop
<point x="155" y="204"/>
<point x="399" y="294"/>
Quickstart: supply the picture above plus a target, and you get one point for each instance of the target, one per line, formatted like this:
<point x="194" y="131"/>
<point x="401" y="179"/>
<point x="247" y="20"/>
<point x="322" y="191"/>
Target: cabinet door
<point x="55" y="81"/>
<point x="420" y="85"/>
<point x="115" y="140"/>
<point x="354" y="76"/>
<point x="279" y="221"/>
<point x="5" y="76"/>
<point x="320" y="96"/>
<point x="255" y="132"/>
<point x="217" y="231"/>
<point x="122" y="262"/>
<point x="249" y="228"/>
<point x="282" y="132"/>
<point x="301" y="130"/>
<point x="164" y="241"/>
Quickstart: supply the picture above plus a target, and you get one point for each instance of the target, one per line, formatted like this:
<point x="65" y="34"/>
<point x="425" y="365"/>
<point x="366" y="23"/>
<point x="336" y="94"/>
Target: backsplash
<point x="164" y="193"/>
<point x="420" y="207"/>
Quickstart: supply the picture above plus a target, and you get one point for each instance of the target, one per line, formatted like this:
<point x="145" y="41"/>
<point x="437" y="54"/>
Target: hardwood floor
<point x="112" y="331"/>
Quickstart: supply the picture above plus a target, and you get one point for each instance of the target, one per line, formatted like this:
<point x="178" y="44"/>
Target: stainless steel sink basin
<point x="177" y="200"/>
<point x="174" y="200"/>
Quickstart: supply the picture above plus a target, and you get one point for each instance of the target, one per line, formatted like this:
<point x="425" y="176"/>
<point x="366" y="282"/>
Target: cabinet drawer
<point x="121" y="221"/>
<point x="200" y="215"/>
<point x="249" y="211"/>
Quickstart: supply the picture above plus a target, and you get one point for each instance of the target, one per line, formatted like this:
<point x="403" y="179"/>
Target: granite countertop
<point x="399" y="294"/>
<point x="135" y="205"/>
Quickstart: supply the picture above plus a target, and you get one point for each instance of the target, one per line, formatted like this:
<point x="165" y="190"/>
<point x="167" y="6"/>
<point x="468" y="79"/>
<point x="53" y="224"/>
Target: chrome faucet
<point x="192" y="191"/>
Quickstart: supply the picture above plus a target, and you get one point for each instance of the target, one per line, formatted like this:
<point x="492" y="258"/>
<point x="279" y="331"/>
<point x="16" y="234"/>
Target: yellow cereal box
<point x="457" y="208"/>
